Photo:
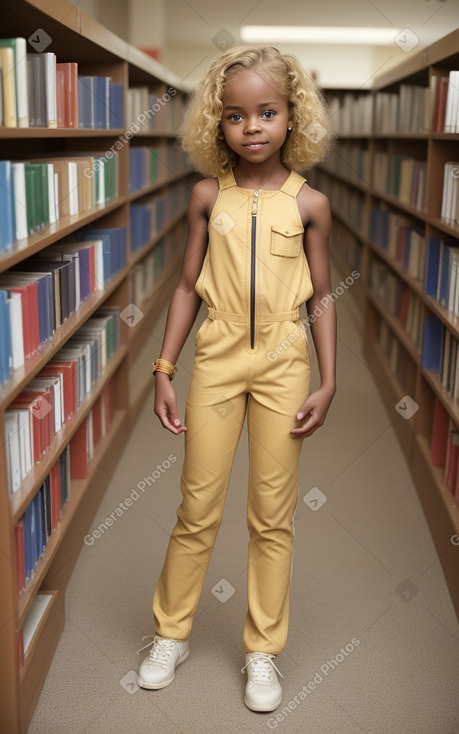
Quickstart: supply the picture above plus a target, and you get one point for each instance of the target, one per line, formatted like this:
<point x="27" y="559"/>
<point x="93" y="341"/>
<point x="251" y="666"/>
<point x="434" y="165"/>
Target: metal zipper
<point x="252" y="268"/>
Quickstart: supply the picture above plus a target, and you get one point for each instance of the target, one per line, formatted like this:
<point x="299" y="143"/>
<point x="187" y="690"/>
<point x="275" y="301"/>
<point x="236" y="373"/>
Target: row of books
<point x="351" y="114"/>
<point x="351" y="161"/>
<point x="446" y="109"/>
<point x="400" y="176"/>
<point x="347" y="245"/>
<point x="147" y="165"/>
<point x="39" y="294"/>
<point x="450" y="198"/>
<point x="398" y="300"/>
<point x="442" y="272"/>
<point x="412" y="109"/>
<point x="42" y="515"/>
<point x="348" y="203"/>
<point x="439" y="353"/>
<point x="154" y="110"/>
<point x="146" y="272"/>
<point x="407" y="111"/>
<point x="36" y="91"/>
<point x="147" y="219"/>
<point x="148" y="216"/>
<point x="50" y="399"/>
<point x="444" y="447"/>
<point x="400" y="363"/>
<point x="400" y="237"/>
<point x="39" y="192"/>
<point x="41" y="518"/>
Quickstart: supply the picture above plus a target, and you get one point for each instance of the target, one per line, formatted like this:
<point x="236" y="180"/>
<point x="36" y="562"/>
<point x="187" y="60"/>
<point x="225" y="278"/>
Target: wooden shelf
<point x="53" y="232"/>
<point x="425" y="386"/>
<point x="97" y="51"/>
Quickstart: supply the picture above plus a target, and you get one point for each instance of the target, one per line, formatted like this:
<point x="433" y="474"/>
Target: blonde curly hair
<point x="200" y="133"/>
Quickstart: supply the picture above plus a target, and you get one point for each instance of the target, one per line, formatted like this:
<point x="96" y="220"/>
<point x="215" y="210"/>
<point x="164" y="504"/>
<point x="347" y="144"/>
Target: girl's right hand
<point x="166" y="404"/>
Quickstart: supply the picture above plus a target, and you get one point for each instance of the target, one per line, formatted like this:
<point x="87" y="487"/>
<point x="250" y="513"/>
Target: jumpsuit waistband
<point x="242" y="318"/>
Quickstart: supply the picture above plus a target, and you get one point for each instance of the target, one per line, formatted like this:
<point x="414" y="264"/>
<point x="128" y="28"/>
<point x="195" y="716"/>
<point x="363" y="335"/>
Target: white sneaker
<point x="158" y="668"/>
<point x="263" y="691"/>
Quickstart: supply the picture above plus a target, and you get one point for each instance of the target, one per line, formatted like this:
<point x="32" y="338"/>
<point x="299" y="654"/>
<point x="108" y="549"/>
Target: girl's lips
<point x="254" y="146"/>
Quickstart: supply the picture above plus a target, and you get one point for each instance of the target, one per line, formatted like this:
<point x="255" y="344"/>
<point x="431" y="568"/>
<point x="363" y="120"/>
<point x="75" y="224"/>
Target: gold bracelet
<point x="162" y="365"/>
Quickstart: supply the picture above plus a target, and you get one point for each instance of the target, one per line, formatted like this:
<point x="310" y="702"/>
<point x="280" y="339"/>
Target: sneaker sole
<point x="261" y="708"/>
<point x="157" y="686"/>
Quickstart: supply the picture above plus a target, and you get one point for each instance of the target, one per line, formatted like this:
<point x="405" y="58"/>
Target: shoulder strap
<point x="226" y="180"/>
<point x="293" y="184"/>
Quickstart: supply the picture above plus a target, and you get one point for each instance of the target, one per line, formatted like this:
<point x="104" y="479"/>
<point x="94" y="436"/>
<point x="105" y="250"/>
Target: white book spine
<point x="20" y="209"/>
<point x="13" y="452"/>
<point x="17" y="340"/>
<point x="21" y="83"/>
<point x="51" y="194"/>
<point x="73" y="187"/>
<point x="51" y="109"/>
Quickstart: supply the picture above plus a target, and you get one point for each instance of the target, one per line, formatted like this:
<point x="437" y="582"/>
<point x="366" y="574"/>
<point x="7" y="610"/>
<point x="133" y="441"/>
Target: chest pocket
<point x="285" y="240"/>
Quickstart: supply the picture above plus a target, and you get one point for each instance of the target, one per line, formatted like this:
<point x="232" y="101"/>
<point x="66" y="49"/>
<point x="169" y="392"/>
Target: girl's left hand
<point x="313" y="412"/>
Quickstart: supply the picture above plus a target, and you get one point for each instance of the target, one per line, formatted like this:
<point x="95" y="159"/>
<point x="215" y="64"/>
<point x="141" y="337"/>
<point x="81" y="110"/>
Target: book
<point x="18" y="45"/>
<point x="68" y="72"/>
<point x="7" y="62"/>
<point x="432" y="343"/>
<point x="439" y="436"/>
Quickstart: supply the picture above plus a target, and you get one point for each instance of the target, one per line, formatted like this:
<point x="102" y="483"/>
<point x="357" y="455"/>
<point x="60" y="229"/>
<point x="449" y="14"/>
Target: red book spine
<point x="439" y="441"/>
<point x="92" y="265"/>
<point x="441" y="111"/>
<point x="79" y="453"/>
<point x="73" y="94"/>
<point x="453" y="459"/>
<point x="61" y="111"/>
<point x="67" y="369"/>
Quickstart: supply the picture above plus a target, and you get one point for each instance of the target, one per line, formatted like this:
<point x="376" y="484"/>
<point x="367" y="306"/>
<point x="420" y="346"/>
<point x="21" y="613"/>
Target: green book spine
<point x="30" y="175"/>
<point x="153" y="165"/>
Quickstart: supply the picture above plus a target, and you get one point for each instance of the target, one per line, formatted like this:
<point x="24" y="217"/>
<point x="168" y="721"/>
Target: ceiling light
<point x="318" y="34"/>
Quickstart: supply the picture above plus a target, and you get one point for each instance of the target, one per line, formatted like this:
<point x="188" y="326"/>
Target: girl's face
<point x="255" y="117"/>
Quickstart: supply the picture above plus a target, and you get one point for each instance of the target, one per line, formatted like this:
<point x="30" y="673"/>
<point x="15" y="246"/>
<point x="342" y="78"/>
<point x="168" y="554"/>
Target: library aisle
<point x="374" y="640"/>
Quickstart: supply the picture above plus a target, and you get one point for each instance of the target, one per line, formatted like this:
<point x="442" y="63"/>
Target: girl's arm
<point x="311" y="415"/>
<point x="185" y="302"/>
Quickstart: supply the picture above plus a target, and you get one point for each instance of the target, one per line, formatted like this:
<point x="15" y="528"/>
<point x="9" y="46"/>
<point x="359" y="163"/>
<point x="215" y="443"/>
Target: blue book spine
<point x="432" y="266"/>
<point x="116" y="106"/>
<point x="85" y="274"/>
<point x="432" y="343"/>
<point x="86" y="112"/>
<point x="5" y="338"/>
<point x="6" y="207"/>
<point x="443" y="291"/>
<point x="100" y="107"/>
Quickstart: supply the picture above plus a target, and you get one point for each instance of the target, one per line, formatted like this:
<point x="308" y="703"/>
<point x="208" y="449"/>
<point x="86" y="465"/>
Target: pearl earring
<point x="289" y="127"/>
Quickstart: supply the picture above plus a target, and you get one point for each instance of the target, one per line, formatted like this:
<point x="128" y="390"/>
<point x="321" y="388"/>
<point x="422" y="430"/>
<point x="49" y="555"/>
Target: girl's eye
<point x="234" y="117"/>
<point x="268" y="114"/>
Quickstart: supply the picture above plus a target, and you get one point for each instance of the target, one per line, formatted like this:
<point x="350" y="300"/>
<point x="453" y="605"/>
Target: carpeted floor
<point x="374" y="642"/>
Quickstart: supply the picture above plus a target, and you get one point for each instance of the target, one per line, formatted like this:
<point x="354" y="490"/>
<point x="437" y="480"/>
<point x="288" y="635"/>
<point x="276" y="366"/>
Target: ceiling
<point x="200" y="20"/>
<point x="196" y="30"/>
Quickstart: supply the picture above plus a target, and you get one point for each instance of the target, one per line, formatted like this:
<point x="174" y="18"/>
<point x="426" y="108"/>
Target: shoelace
<point x="261" y="668"/>
<point x="159" y="651"/>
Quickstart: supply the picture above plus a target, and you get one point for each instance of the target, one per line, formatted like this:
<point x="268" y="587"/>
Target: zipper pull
<point x="255" y="202"/>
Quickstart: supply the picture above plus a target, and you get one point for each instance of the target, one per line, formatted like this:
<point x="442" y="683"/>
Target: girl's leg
<point x="214" y="427"/>
<point x="272" y="499"/>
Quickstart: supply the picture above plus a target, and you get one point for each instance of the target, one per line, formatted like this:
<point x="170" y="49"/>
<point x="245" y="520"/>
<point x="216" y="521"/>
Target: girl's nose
<point x="252" y="125"/>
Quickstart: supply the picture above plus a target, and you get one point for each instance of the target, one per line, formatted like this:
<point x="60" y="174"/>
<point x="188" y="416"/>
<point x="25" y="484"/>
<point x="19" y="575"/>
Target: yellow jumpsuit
<point x="251" y="356"/>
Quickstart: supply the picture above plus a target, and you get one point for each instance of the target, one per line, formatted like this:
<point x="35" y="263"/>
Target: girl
<point x="257" y="248"/>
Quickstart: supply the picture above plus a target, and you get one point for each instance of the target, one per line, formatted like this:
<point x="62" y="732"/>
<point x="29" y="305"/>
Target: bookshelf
<point x="386" y="183"/>
<point x="147" y="208"/>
